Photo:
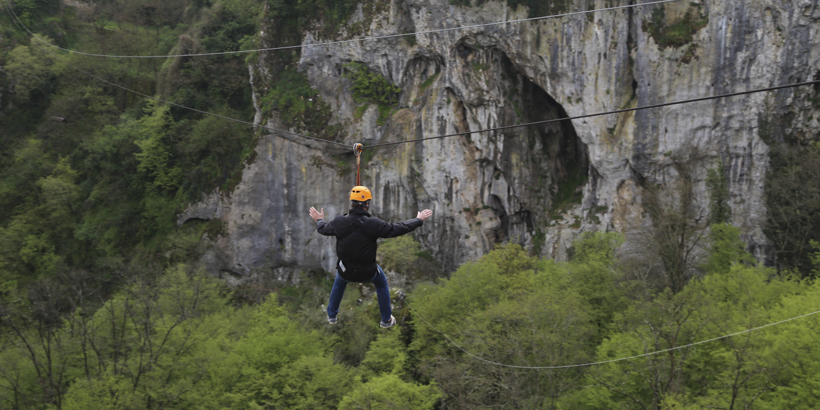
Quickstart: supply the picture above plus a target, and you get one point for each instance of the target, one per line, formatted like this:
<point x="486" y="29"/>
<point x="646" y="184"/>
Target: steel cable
<point x="604" y="361"/>
<point x="327" y="43"/>
<point x="759" y="90"/>
<point x="274" y="130"/>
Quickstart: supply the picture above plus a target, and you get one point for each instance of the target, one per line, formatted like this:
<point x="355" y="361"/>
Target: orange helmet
<point x="360" y="193"/>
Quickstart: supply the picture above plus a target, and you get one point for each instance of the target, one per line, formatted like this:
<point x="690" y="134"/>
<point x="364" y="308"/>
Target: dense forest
<point x="104" y="304"/>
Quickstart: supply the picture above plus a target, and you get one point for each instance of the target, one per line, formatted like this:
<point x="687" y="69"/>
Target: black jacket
<point x="356" y="235"/>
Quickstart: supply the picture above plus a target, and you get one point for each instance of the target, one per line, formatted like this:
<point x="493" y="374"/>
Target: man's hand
<point x="316" y="215"/>
<point x="424" y="214"/>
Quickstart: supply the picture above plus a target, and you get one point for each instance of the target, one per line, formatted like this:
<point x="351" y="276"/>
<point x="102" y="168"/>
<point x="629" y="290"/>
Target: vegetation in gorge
<point x="104" y="304"/>
<point x="372" y="88"/>
<point x="175" y="338"/>
<point x="793" y="204"/>
<point x="718" y="187"/>
<point x="92" y="176"/>
<point x="288" y="92"/>
<point x="299" y="105"/>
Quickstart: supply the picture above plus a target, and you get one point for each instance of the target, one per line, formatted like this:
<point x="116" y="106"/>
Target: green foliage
<point x="677" y="232"/>
<point x="736" y="370"/>
<point x="360" y="329"/>
<point x="211" y="152"/>
<point x="399" y="253"/>
<point x="595" y="276"/>
<point x="790" y="348"/>
<point x="508" y="308"/>
<point x="30" y="68"/>
<point x="286" y="366"/>
<point x="30" y="10"/>
<point x="676" y="34"/>
<point x="155" y="156"/>
<point x="360" y="110"/>
<point x="86" y="227"/>
<point x="793" y="204"/>
<point x="718" y="188"/>
<point x="726" y="250"/>
<point x="370" y="87"/>
<point x="568" y="192"/>
<point x="385" y="112"/>
<point x="147" y="346"/>
<point x="59" y="190"/>
<point x="299" y="104"/>
<point x="176" y="341"/>
<point x="429" y="81"/>
<point x="405" y="256"/>
<point x="386" y="355"/>
<point x="598" y="247"/>
<point x="815" y="258"/>
<point x="389" y="391"/>
<point x="124" y="166"/>
<point x="330" y="13"/>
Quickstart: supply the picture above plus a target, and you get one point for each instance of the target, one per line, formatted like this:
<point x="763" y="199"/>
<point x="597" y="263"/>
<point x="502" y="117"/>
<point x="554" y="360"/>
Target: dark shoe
<point x="387" y="325"/>
<point x="332" y="320"/>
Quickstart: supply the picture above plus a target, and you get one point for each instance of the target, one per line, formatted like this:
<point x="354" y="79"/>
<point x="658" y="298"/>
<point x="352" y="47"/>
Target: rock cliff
<point x="539" y="186"/>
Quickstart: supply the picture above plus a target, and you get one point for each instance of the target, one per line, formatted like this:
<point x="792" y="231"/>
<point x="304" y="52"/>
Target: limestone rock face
<point x="542" y="185"/>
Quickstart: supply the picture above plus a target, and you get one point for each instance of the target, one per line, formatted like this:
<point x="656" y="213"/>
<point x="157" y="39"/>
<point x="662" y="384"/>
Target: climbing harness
<point x="357" y="149"/>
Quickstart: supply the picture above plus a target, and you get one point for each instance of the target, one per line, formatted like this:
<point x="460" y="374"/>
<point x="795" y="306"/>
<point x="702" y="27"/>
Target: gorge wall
<point x="539" y="186"/>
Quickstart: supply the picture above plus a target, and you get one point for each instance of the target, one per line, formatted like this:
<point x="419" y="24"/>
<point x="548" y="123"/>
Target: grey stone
<point x="505" y="186"/>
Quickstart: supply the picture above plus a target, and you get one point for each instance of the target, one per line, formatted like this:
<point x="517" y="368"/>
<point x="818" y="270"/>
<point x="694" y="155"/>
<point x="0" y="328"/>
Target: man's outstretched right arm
<point x="391" y="230"/>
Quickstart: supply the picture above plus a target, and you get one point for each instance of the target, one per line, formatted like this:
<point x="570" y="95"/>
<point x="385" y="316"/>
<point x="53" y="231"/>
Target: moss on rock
<point x="674" y="34"/>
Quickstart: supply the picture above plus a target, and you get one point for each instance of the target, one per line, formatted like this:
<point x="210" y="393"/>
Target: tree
<point x="674" y="238"/>
<point x="155" y="158"/>
<point x="405" y="256"/>
<point x="391" y="392"/>
<point x="30" y="68"/>
<point x="719" y="210"/>
<point x="726" y="248"/>
<point x="513" y="310"/>
<point x="60" y="192"/>
<point x="286" y="365"/>
<point x="793" y="347"/>
<point x="370" y="87"/>
<point x="793" y="204"/>
<point x="734" y="372"/>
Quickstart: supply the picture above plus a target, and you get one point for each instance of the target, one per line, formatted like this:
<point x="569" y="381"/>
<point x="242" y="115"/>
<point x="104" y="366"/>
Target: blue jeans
<point x="382" y="291"/>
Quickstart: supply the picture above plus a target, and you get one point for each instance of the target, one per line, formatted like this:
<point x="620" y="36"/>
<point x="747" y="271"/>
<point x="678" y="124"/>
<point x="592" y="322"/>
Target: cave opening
<point x="546" y="165"/>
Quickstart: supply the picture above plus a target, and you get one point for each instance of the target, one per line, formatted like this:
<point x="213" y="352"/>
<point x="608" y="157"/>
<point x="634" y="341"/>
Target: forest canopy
<point x="104" y="303"/>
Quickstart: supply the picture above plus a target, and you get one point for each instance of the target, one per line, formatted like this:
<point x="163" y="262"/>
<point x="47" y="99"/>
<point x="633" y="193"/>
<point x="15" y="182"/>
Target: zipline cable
<point x="274" y="130"/>
<point x="759" y="90"/>
<point x="348" y="41"/>
<point x="358" y="148"/>
<point x="611" y="360"/>
<point x="439" y="136"/>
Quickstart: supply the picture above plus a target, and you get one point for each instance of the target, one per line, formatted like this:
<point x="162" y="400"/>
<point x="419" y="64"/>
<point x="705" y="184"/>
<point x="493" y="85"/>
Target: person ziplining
<point x="356" y="234"/>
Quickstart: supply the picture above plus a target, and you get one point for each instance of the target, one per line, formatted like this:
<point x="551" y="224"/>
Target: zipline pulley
<point x="357" y="149"/>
